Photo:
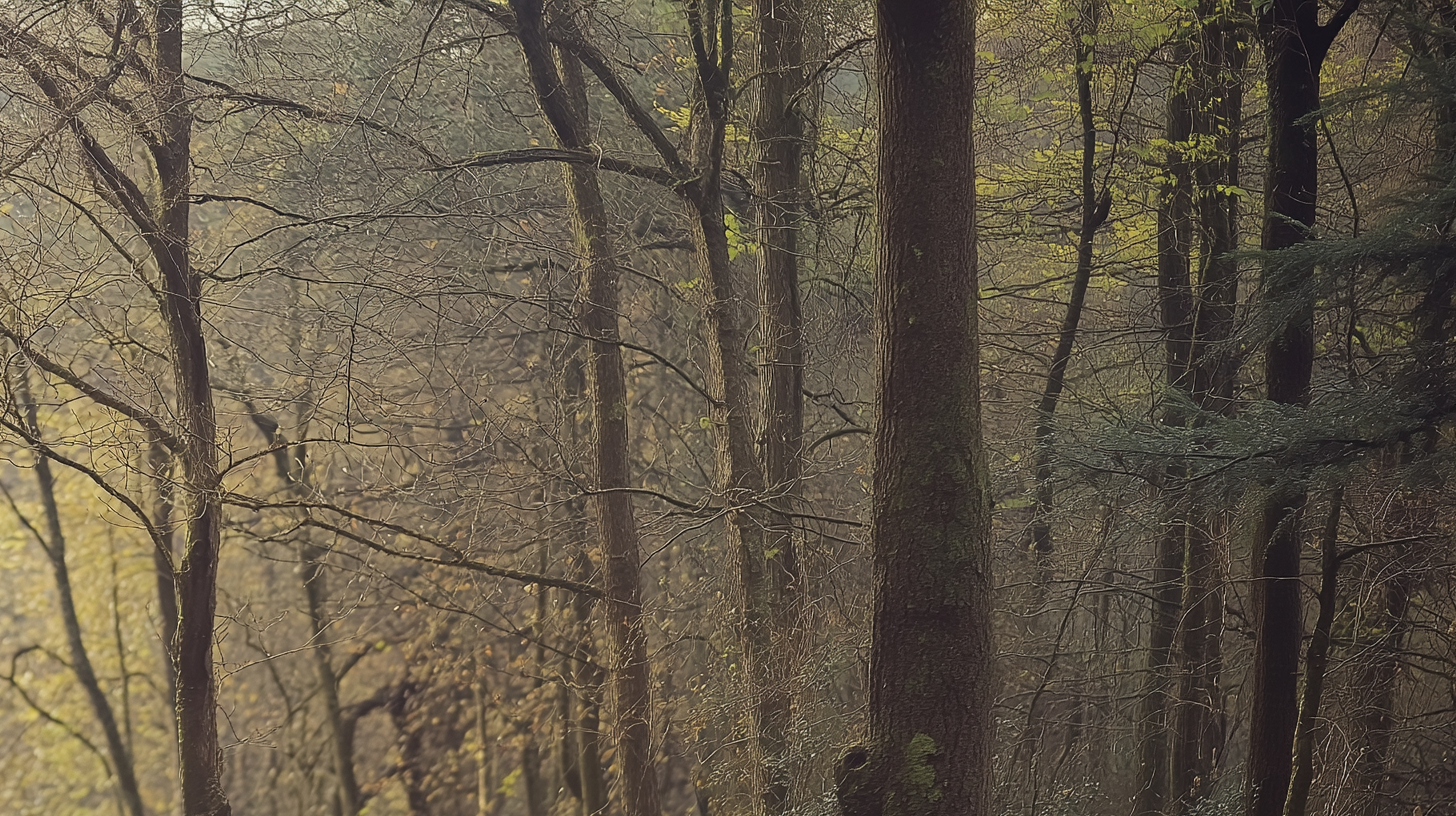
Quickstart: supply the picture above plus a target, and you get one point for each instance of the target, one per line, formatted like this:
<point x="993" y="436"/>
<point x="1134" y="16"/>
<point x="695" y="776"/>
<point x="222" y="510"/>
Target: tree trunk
<point x="159" y="465"/>
<point x="776" y="136"/>
<point x="1094" y="215"/>
<point x="1217" y="116"/>
<point x="1379" y="677"/>
<point x="560" y="93"/>
<point x="158" y="212"/>
<point x="199" y="482"/>
<point x="1316" y="660"/>
<point x="290" y="464"/>
<point x="1175" y="298"/>
<point x="738" y="477"/>
<point x="54" y="544"/>
<point x="1295" y="45"/>
<point x="931" y="674"/>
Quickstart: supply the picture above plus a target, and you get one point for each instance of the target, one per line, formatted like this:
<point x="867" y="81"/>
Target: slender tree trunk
<point x="159" y="465"/>
<point x="290" y="464"/>
<point x="54" y="544"/>
<point x="1175" y="299"/>
<point x="1379" y="677"/>
<point x="1217" y="117"/>
<point x="777" y="135"/>
<point x="1094" y="215"/>
<point x="560" y="93"/>
<point x="1295" y="45"/>
<point x="199" y="480"/>
<point x="931" y="674"/>
<point x="739" y="479"/>
<point x="412" y="764"/>
<point x="158" y="212"/>
<point x="1315" y="662"/>
<point x="590" y="772"/>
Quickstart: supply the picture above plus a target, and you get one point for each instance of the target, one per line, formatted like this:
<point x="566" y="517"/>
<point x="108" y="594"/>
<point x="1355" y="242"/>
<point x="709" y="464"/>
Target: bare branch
<point x="142" y="417"/>
<point x="538" y="155"/>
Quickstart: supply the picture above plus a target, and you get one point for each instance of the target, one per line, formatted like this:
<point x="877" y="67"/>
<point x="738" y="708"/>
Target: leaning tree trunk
<point x="1094" y="215"/>
<point x="931" y="675"/>
<point x="53" y="542"/>
<point x="1295" y="45"/>
<point x="562" y="99"/>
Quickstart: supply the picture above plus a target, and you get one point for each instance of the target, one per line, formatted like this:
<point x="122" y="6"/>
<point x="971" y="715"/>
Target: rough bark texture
<point x="1295" y="45"/>
<point x="777" y="134"/>
<point x="931" y="676"/>
<point x="559" y="91"/>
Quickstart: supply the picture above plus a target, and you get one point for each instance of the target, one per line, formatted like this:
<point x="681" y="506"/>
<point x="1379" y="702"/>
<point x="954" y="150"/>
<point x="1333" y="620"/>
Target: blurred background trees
<point x="511" y="368"/>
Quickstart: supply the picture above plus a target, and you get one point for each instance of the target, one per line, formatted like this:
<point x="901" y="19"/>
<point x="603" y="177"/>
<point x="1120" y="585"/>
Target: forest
<point x="728" y="407"/>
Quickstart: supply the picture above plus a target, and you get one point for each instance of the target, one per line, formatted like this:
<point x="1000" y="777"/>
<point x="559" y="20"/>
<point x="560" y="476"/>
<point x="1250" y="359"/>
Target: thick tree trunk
<point x="559" y="91"/>
<point x="777" y="135"/>
<point x="931" y="674"/>
<point x="1295" y="45"/>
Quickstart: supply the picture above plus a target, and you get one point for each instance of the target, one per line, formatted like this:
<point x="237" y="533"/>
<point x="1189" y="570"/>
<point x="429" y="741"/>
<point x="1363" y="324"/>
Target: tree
<point x="157" y="119"/>
<point x="562" y="97"/>
<point x="1295" y="46"/>
<point x="777" y="135"/>
<point x="931" y="679"/>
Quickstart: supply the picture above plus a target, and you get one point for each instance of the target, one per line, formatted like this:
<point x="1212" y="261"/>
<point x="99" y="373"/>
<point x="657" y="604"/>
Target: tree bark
<point x="1217" y="118"/>
<point x="199" y="482"/>
<point x="931" y="674"/>
<point x="560" y="93"/>
<point x="738" y="475"/>
<point x="776" y="137"/>
<point x="1316" y="660"/>
<point x="1379" y="676"/>
<point x="1295" y="45"/>
<point x="1175" y="301"/>
<point x="159" y="466"/>
<point x="158" y="212"/>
